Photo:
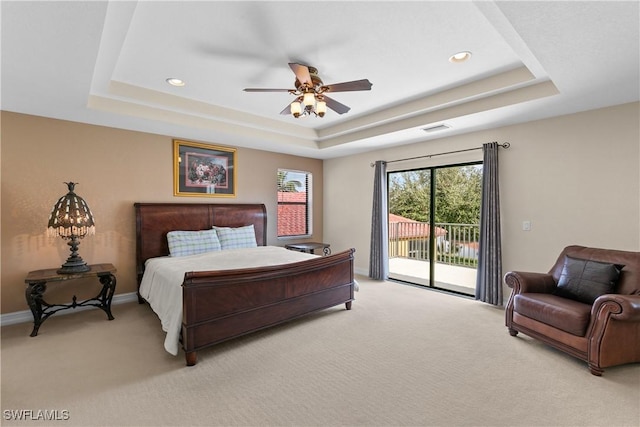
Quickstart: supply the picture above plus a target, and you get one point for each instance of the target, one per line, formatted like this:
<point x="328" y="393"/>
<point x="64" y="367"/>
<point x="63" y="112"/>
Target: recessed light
<point x="175" y="82"/>
<point x="460" y="56"/>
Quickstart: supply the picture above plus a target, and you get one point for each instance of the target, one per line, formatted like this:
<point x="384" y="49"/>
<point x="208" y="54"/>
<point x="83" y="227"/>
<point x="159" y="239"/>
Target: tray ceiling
<point x="106" y="63"/>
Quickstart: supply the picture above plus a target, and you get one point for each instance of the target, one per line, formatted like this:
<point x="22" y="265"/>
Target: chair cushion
<point x="585" y="280"/>
<point x="565" y="314"/>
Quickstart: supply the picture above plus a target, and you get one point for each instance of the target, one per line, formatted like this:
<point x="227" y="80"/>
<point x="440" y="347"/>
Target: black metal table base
<point x="42" y="310"/>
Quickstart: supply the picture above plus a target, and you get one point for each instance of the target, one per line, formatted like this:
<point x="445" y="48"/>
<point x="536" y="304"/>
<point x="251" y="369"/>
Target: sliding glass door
<point x="434" y="220"/>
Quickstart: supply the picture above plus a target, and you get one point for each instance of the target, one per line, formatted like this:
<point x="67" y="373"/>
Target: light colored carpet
<point x="401" y="356"/>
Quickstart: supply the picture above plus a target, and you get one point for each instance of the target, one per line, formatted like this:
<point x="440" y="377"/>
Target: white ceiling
<point x="105" y="63"/>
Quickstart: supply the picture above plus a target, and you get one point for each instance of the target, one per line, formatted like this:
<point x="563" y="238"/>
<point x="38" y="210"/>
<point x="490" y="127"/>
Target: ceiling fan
<point x="310" y="92"/>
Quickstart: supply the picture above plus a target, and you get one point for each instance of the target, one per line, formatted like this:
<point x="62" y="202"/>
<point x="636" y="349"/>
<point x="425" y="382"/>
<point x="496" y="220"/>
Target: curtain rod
<point x="505" y="145"/>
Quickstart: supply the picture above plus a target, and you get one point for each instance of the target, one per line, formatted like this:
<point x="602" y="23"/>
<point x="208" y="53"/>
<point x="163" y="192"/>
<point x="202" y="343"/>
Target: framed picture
<point x="203" y="170"/>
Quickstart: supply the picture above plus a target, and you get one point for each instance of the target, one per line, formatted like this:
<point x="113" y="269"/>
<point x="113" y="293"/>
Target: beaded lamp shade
<point x="71" y="219"/>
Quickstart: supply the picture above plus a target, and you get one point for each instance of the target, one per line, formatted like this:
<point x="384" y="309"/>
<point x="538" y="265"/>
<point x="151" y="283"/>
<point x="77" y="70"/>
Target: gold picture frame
<point x="203" y="170"/>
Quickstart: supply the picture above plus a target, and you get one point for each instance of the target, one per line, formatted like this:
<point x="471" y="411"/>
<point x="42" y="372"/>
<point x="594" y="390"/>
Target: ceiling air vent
<point x="436" y="128"/>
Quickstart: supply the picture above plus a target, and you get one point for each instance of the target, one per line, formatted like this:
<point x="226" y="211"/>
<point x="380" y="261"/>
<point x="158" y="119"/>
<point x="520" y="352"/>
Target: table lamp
<point x="71" y="219"/>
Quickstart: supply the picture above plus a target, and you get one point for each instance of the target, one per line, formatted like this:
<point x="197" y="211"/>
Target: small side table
<point x="310" y="247"/>
<point x="37" y="285"/>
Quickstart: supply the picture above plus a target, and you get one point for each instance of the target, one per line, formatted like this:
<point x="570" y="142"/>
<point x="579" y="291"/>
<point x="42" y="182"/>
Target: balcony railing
<point x="456" y="244"/>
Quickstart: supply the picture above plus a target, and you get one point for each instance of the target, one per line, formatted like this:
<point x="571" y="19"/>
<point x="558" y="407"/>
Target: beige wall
<point x="114" y="169"/>
<point x="576" y="178"/>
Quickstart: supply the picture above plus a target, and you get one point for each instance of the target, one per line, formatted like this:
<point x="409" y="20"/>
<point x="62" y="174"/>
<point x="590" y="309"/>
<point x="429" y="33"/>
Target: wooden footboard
<point x="221" y="305"/>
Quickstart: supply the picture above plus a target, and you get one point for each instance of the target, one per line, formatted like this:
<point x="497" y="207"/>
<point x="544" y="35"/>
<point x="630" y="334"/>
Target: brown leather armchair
<point x="605" y="332"/>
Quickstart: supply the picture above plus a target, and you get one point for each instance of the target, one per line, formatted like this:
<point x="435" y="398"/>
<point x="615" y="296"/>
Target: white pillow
<point x="236" y="238"/>
<point x="182" y="243"/>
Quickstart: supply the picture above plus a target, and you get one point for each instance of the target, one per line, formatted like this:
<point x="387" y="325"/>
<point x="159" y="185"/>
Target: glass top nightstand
<point x="310" y="247"/>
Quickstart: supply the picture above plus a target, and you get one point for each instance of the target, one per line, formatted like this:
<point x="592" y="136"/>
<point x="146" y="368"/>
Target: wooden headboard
<point x="155" y="220"/>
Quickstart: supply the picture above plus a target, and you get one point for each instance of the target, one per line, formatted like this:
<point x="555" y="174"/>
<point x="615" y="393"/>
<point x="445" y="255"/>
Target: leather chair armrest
<point x="527" y="282"/>
<point x="621" y="307"/>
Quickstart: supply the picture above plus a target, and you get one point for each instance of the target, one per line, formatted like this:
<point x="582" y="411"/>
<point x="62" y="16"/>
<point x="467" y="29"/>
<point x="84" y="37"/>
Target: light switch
<point x="526" y="225"/>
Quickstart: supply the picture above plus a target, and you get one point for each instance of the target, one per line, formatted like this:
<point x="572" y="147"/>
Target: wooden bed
<point x="221" y="305"/>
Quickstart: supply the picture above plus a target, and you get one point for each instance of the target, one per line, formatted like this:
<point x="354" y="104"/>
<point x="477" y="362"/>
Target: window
<point x="294" y="203"/>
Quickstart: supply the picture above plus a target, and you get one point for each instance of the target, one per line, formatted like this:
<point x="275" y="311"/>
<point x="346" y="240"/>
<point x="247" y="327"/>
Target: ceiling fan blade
<point x="287" y="110"/>
<point x="363" y="84"/>
<point x="335" y="105"/>
<point x="251" y="89"/>
<point x="301" y="72"/>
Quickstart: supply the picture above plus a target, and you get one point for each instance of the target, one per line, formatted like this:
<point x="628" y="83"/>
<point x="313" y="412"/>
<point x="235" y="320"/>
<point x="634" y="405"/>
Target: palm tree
<point x="287" y="186"/>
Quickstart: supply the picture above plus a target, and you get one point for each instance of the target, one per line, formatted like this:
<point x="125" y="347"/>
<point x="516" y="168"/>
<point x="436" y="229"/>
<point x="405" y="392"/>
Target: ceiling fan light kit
<point x="310" y="93"/>
<point x="296" y="109"/>
<point x="321" y="108"/>
<point x="308" y="104"/>
<point x="309" y="99"/>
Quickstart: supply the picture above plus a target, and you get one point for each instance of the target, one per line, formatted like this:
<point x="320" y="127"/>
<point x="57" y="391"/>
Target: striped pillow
<point x="182" y="243"/>
<point x="236" y="238"/>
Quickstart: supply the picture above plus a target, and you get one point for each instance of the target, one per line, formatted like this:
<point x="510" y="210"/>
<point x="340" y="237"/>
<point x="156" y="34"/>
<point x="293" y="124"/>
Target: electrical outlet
<point x="526" y="225"/>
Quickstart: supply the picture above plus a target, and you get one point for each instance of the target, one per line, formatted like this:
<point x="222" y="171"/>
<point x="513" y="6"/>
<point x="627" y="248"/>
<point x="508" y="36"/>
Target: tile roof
<point x="292" y="219"/>
<point x="406" y="228"/>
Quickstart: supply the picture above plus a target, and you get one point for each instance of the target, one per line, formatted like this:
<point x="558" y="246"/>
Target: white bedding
<point x="163" y="277"/>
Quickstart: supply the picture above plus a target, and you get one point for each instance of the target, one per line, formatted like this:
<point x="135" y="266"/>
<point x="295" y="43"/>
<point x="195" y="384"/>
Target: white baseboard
<point x="26" y="316"/>
<point x="361" y="271"/>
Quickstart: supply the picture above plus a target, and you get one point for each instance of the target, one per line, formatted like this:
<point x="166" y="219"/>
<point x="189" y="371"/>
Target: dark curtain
<point x="489" y="280"/>
<point x="378" y="258"/>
